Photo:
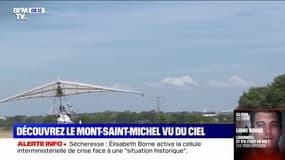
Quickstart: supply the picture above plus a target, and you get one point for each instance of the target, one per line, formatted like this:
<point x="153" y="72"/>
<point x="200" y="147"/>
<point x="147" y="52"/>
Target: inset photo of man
<point x="259" y="135"/>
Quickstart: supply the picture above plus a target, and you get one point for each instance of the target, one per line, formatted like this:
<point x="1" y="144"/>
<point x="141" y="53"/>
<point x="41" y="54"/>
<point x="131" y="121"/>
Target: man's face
<point x="268" y="121"/>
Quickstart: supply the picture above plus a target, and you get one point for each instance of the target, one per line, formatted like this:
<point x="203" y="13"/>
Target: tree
<point x="276" y="92"/>
<point x="255" y="97"/>
<point x="271" y="96"/>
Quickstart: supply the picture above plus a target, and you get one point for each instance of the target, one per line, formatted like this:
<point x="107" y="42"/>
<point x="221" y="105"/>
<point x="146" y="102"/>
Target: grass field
<point x="6" y="134"/>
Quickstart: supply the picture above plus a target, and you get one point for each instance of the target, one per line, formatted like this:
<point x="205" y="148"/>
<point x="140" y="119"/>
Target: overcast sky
<point x="196" y="55"/>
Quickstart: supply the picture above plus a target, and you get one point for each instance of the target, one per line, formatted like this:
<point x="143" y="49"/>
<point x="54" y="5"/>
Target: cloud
<point x="233" y="81"/>
<point x="239" y="82"/>
<point x="180" y="81"/>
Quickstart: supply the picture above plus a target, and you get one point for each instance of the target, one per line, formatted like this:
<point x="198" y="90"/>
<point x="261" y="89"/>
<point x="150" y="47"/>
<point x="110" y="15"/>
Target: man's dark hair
<point x="278" y="113"/>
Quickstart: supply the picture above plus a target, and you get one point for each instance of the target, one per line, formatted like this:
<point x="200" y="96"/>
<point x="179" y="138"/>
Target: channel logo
<point x="21" y="13"/>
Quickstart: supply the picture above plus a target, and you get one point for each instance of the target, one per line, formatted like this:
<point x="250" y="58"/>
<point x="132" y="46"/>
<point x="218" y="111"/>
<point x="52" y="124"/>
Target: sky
<point x="196" y="56"/>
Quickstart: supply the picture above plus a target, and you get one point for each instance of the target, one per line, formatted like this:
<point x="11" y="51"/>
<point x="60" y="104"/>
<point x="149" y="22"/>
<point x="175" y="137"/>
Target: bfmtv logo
<point x="20" y="13"/>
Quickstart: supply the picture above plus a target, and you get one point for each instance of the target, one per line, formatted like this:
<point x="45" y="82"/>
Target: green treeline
<point x="149" y="117"/>
<point x="270" y="96"/>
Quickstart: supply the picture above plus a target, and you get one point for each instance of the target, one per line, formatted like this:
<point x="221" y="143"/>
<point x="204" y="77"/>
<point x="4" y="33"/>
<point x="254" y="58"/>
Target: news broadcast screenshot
<point x="142" y="80"/>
